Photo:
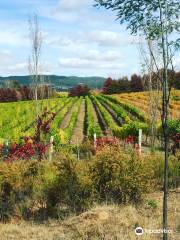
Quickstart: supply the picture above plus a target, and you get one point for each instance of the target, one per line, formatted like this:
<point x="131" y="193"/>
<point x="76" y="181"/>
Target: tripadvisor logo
<point x="139" y="231"/>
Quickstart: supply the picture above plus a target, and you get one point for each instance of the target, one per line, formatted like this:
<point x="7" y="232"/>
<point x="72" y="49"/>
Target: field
<point x="107" y="194"/>
<point x="77" y="119"/>
<point x="141" y="100"/>
<point x="102" y="222"/>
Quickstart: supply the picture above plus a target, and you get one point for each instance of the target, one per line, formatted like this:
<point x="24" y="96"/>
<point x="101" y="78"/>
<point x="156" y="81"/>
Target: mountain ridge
<point x="58" y="81"/>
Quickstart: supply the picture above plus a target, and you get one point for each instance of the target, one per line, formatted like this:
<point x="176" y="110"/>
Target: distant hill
<point x="58" y="81"/>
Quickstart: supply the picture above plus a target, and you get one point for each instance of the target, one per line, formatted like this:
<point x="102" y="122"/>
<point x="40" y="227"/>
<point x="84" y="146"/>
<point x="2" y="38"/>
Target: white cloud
<point x="21" y="66"/>
<point x="68" y="11"/>
<point x="13" y="37"/>
<point x="99" y="37"/>
<point x="60" y="41"/>
<point x="109" y="38"/>
<point x="6" y="57"/>
<point x="97" y="55"/>
<point x="72" y="5"/>
<point x="176" y="63"/>
<point x="81" y="63"/>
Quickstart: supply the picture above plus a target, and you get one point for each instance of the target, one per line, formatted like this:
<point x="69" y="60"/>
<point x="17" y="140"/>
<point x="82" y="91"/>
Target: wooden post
<point x="95" y="140"/>
<point x="78" y="153"/>
<point x="140" y="141"/>
<point x="5" y="150"/>
<point x="51" y="148"/>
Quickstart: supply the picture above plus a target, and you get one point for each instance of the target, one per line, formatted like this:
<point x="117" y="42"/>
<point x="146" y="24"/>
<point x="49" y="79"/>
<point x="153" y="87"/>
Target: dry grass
<point x="102" y="222"/>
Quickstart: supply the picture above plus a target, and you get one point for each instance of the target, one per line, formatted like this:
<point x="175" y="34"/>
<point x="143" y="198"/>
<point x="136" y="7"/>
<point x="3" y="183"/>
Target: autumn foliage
<point x="35" y="146"/>
<point x="79" y="90"/>
<point x="21" y="94"/>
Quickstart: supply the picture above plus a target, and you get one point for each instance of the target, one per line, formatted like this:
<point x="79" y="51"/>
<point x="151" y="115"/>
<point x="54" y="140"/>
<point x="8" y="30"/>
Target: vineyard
<point x="77" y="119"/>
<point x="99" y="115"/>
<point x="140" y="101"/>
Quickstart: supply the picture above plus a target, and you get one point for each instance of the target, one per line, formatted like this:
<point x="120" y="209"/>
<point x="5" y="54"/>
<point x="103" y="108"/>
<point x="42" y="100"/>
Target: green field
<point x="78" y="118"/>
<point x="100" y="115"/>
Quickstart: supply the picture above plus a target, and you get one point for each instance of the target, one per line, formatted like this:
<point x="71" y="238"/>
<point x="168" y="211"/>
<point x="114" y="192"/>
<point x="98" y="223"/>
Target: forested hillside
<point x="57" y="81"/>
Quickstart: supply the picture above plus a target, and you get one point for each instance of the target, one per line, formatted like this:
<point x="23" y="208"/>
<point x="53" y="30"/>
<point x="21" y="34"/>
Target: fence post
<point x="51" y="148"/>
<point x="95" y="140"/>
<point x="6" y="148"/>
<point x="78" y="153"/>
<point x="140" y="141"/>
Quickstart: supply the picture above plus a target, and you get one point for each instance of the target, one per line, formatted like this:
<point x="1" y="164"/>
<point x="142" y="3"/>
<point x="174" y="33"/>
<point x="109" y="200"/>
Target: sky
<point x="78" y="39"/>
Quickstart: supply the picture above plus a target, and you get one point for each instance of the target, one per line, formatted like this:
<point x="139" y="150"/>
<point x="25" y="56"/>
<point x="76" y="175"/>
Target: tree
<point x="177" y="81"/>
<point x="34" y="60"/>
<point x="156" y="20"/>
<point x="79" y="90"/>
<point x="136" y="83"/>
<point x="116" y="86"/>
<point x="153" y="86"/>
<point x="25" y="92"/>
<point x="107" y="84"/>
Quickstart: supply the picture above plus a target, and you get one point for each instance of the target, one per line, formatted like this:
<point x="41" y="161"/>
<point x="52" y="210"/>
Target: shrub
<point x="72" y="189"/>
<point x="132" y="129"/>
<point x="157" y="163"/>
<point x="22" y="188"/>
<point x="119" y="176"/>
<point x="151" y="204"/>
<point x="16" y="186"/>
<point x="33" y="189"/>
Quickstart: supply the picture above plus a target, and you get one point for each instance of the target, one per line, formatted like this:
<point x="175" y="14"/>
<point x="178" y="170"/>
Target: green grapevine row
<point x="120" y="112"/>
<point x="73" y="120"/>
<point x="67" y="105"/>
<point x="107" y="117"/>
<point x="131" y="109"/>
<point x="16" y="117"/>
<point x="91" y="126"/>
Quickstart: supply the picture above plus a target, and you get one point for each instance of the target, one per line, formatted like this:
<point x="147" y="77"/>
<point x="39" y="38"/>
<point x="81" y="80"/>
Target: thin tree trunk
<point x="165" y="108"/>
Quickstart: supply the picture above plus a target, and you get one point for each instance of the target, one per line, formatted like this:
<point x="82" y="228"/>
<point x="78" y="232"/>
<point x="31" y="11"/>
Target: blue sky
<point x="78" y="39"/>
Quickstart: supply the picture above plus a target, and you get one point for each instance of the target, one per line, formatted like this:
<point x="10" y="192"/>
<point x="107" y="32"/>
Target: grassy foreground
<point x="107" y="222"/>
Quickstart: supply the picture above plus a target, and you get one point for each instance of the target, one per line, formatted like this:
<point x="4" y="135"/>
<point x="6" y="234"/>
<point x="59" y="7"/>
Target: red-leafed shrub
<point x="130" y="140"/>
<point x="35" y="146"/>
<point x="79" y="90"/>
<point x="176" y="138"/>
<point x="27" y="150"/>
<point x="106" y="141"/>
<point x="176" y="142"/>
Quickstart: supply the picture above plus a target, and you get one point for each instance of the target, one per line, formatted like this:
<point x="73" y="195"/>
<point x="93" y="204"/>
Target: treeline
<point x="23" y="93"/>
<point x="79" y="90"/>
<point x="138" y="83"/>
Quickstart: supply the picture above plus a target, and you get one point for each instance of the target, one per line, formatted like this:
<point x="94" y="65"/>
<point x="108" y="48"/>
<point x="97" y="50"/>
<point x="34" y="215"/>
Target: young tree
<point x="34" y="59"/>
<point x="157" y="20"/>
<point x="152" y="85"/>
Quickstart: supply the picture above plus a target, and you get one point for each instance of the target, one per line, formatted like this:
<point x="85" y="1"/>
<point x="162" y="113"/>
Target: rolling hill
<point x="58" y="81"/>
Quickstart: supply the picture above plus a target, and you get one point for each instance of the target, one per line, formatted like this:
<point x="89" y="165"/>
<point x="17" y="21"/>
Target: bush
<point x="132" y="129"/>
<point x="22" y="187"/>
<point x="72" y="189"/>
<point x="119" y="176"/>
<point x="33" y="189"/>
<point x="16" y="185"/>
<point x="157" y="163"/>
